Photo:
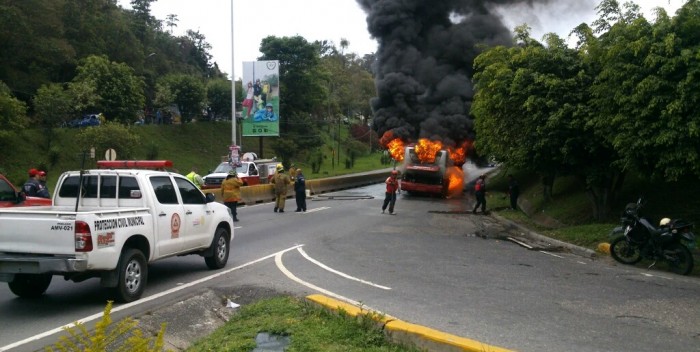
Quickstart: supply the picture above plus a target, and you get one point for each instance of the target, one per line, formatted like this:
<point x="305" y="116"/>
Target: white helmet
<point x="664" y="222"/>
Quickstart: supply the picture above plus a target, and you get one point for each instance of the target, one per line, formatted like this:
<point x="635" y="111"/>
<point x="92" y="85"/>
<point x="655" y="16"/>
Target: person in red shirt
<point x="480" y="192"/>
<point x="392" y="186"/>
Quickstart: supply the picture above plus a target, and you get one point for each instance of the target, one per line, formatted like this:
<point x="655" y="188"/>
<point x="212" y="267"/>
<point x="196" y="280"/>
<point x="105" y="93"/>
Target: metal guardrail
<point x="265" y="193"/>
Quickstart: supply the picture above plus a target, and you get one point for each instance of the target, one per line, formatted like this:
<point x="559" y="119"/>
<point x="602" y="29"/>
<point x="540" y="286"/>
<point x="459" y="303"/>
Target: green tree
<point x="53" y="105"/>
<point x="119" y="92"/>
<point x="13" y="112"/>
<point x="219" y="97"/>
<point x="647" y="92"/>
<point x="109" y="135"/>
<point x="350" y="85"/>
<point x="531" y="109"/>
<point x="301" y="92"/>
<point x="188" y="93"/>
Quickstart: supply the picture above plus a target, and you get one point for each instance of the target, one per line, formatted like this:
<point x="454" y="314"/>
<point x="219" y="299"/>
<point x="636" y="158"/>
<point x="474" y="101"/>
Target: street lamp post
<point x="233" y="85"/>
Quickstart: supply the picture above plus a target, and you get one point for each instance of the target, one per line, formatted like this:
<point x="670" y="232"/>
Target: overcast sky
<point x="330" y="20"/>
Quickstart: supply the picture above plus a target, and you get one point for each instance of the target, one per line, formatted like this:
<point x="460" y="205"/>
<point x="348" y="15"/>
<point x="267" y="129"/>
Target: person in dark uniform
<point x="513" y="192"/>
<point x="32" y="187"/>
<point x="300" y="190"/>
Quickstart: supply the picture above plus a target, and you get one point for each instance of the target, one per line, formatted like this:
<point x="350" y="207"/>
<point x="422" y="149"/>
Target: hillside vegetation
<point x="194" y="144"/>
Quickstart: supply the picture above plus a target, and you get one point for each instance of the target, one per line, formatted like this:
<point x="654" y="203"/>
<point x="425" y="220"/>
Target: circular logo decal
<point x="175" y="226"/>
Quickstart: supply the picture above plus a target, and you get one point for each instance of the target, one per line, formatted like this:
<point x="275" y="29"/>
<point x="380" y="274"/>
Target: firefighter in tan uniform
<point x="280" y="181"/>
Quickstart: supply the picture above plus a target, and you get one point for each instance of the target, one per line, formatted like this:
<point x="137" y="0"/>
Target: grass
<point x="309" y="328"/>
<point x="197" y="144"/>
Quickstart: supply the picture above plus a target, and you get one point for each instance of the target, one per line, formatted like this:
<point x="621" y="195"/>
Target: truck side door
<point x="197" y="220"/>
<point x="169" y="216"/>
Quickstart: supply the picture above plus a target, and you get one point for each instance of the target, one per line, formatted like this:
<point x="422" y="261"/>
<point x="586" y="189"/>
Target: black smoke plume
<point x="424" y="63"/>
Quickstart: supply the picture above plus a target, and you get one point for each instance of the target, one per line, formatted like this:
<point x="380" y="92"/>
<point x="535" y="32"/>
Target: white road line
<point x="552" y="254"/>
<point x="338" y="272"/>
<point x="314" y="210"/>
<point x="283" y="269"/>
<point x="142" y="300"/>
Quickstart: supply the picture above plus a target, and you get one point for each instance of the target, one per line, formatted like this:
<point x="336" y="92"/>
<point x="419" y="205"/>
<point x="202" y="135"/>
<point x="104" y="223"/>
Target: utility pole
<point x="233" y="85"/>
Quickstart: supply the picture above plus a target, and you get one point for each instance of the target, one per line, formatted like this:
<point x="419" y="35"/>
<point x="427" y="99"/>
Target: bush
<point x="123" y="337"/>
<point x="110" y="135"/>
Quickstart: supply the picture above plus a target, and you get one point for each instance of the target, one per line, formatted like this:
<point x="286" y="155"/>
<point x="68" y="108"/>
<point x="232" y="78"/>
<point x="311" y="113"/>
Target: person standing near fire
<point x="300" y="190"/>
<point x="231" y="192"/>
<point x="281" y="182"/>
<point x="513" y="192"/>
<point x="392" y="186"/>
<point x="480" y="193"/>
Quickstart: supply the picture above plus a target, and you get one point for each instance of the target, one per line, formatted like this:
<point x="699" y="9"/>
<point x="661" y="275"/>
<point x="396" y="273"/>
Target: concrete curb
<point x="407" y="333"/>
<point x="585" y="252"/>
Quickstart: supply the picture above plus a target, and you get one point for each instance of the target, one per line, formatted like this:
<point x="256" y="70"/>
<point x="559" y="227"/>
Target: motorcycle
<point x="637" y="238"/>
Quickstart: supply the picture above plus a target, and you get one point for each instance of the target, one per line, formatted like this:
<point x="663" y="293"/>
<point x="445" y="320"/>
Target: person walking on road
<point x="513" y="192"/>
<point x="480" y="192"/>
<point x="300" y="190"/>
<point x="392" y="186"/>
<point x="231" y="192"/>
<point x="195" y="178"/>
<point x="281" y="182"/>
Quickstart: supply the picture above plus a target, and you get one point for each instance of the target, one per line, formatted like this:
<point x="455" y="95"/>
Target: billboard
<point x="261" y="101"/>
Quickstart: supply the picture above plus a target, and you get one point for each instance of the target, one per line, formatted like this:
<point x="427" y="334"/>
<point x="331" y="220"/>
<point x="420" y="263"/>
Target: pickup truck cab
<point x="10" y="196"/>
<point x="111" y="223"/>
<point x="252" y="172"/>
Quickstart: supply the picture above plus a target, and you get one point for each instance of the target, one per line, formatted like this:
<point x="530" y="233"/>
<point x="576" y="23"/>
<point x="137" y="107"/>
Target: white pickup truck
<point x="111" y="227"/>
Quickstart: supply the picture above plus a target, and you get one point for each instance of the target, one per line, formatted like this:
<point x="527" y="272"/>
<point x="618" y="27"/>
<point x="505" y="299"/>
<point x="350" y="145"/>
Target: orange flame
<point x="396" y="149"/>
<point x="458" y="154"/>
<point x="456" y="180"/>
<point x="394" y="145"/>
<point x="426" y="150"/>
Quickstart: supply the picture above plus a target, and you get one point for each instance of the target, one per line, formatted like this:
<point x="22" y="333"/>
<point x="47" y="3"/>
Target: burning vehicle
<point x="429" y="167"/>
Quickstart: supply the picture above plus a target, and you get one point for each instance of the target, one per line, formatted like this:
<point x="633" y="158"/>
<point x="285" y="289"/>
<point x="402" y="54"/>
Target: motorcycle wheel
<point x="624" y="251"/>
<point x="679" y="259"/>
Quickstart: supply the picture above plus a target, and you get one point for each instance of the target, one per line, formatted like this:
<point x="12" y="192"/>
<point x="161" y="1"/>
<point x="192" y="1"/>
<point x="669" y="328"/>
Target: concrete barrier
<point x="265" y="193"/>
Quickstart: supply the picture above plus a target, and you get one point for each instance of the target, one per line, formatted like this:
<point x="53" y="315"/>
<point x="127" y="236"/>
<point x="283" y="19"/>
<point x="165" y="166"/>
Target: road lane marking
<point x="301" y="250"/>
<point x="552" y="254"/>
<point x="142" y="300"/>
<point x="314" y="210"/>
<point x="283" y="269"/>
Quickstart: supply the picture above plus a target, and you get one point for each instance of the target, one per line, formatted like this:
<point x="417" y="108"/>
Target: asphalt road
<point x="431" y="264"/>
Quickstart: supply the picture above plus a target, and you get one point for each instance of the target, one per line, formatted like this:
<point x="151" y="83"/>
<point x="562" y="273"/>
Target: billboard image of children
<point x="261" y="113"/>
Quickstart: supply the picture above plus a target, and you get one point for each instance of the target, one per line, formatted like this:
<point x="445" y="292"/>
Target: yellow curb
<point x="403" y="332"/>
<point x="449" y="342"/>
<point x="604" y="248"/>
<point x="350" y="309"/>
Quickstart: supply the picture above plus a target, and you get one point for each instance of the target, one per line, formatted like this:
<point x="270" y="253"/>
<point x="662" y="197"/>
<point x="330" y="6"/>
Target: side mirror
<point x="210" y="197"/>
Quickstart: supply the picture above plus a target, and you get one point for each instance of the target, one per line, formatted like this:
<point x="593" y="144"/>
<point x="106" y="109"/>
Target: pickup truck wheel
<point x="220" y="251"/>
<point x="30" y="285"/>
<point x="132" y="272"/>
